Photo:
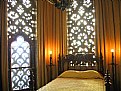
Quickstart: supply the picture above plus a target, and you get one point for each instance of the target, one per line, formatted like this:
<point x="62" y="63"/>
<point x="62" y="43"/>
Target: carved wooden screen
<point x="21" y="43"/>
<point x="81" y="22"/>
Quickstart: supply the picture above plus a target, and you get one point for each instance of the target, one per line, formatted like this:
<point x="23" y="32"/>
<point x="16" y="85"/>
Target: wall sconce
<point x="112" y="51"/>
<point x="50" y="57"/>
<point x="51" y="64"/>
<point x="113" y="68"/>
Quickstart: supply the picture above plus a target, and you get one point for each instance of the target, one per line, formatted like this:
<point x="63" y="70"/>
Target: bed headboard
<point x="80" y="62"/>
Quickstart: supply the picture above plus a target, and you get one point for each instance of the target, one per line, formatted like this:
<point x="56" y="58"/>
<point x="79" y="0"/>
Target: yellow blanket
<point x="74" y="84"/>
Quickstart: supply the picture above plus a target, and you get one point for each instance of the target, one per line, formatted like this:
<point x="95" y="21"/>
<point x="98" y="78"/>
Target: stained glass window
<point x="21" y="42"/>
<point x="81" y="22"/>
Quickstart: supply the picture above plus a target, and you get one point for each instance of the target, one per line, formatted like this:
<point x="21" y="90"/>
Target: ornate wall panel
<point x="21" y="42"/>
<point x="81" y="22"/>
<point x="22" y="17"/>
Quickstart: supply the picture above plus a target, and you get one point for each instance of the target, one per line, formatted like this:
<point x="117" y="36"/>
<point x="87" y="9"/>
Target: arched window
<point x="81" y="22"/>
<point x="21" y="43"/>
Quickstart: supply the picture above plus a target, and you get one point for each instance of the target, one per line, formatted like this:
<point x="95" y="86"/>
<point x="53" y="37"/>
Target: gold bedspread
<point x="74" y="84"/>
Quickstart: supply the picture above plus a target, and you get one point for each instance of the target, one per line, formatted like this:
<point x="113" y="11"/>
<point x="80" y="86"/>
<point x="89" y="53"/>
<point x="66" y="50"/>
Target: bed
<point x="72" y="80"/>
<point x="80" y="72"/>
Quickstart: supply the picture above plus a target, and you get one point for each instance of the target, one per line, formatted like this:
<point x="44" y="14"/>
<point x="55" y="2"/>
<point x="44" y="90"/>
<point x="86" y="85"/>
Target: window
<point x="81" y="22"/>
<point x="21" y="43"/>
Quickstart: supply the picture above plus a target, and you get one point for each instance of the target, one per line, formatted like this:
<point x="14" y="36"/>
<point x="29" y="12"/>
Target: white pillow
<point x="88" y="74"/>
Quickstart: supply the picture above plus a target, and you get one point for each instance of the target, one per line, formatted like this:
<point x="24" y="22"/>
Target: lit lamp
<point x="50" y="57"/>
<point x="112" y="51"/>
<point x="113" y="68"/>
<point x="51" y="65"/>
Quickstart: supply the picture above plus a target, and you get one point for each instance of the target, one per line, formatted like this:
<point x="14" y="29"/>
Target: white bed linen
<point x="74" y="84"/>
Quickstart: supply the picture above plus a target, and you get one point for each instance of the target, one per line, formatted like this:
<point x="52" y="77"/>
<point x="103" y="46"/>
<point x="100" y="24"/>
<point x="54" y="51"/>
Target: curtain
<point x="3" y="35"/>
<point x="108" y="34"/>
<point x="51" y="36"/>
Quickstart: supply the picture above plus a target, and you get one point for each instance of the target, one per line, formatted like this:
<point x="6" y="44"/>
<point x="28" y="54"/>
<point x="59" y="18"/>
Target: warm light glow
<point x="50" y="52"/>
<point x="112" y="50"/>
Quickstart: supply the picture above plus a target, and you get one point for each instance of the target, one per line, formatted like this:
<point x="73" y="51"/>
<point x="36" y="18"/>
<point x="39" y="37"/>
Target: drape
<point x="108" y="34"/>
<point x="3" y="33"/>
<point x="51" y="36"/>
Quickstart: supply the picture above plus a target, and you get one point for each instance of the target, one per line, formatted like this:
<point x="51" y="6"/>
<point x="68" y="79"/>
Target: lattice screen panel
<point x="20" y="63"/>
<point x="22" y="17"/>
<point x="21" y="42"/>
<point x="20" y="53"/>
<point x="81" y="22"/>
<point x="20" y="79"/>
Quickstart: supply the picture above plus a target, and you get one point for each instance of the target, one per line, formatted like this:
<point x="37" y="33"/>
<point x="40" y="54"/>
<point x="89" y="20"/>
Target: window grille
<point x="21" y="42"/>
<point x="81" y="23"/>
